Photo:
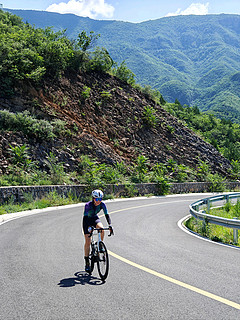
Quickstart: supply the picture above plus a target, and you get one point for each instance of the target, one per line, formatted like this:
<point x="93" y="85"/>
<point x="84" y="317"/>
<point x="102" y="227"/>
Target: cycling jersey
<point x="91" y="210"/>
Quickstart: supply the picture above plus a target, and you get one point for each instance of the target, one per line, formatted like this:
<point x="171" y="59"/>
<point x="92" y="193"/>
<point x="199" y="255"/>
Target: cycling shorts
<point x="90" y="222"/>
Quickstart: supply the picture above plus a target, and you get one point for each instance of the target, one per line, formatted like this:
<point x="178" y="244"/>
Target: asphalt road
<point x="157" y="271"/>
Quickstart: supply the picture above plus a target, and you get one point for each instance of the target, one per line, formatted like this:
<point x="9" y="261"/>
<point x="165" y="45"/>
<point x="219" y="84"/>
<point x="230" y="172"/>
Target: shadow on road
<point x="81" y="277"/>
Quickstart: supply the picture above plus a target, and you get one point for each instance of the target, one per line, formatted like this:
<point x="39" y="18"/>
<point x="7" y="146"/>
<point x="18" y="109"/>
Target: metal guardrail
<point x="196" y="212"/>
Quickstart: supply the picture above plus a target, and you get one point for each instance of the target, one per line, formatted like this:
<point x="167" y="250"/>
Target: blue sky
<point x="128" y="10"/>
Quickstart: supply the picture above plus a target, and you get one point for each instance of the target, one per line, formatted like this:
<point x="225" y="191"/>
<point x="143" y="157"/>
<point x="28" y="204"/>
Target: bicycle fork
<point x="96" y="246"/>
<point x="99" y="239"/>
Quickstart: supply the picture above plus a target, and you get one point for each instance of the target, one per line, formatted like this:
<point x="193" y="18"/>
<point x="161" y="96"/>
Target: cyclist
<point x="90" y="218"/>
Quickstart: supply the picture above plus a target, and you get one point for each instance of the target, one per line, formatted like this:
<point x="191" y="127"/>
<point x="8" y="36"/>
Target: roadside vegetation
<point x="50" y="200"/>
<point x="215" y="232"/>
<point x="25" y="171"/>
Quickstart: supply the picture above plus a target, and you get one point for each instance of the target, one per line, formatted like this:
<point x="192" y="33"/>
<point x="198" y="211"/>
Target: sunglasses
<point x="98" y="199"/>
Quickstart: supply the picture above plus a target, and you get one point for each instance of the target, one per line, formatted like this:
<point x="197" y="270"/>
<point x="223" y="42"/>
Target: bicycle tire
<point x="103" y="262"/>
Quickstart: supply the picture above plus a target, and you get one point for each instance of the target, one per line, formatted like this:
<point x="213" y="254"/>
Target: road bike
<point x="98" y="253"/>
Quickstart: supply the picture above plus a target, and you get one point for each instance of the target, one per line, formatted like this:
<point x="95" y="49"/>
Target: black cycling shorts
<point x="90" y="222"/>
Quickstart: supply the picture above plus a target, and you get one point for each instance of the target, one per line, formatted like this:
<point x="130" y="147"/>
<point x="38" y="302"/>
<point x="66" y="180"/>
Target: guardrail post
<point x="197" y="207"/>
<point x="204" y="226"/>
<point x="227" y="198"/>
<point x="235" y="234"/>
<point x="208" y="205"/>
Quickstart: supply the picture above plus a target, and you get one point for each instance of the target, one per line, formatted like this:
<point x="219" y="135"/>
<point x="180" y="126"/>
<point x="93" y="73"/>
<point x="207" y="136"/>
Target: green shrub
<point x="105" y="95"/>
<point x="236" y="209"/>
<point x="86" y="92"/>
<point x="100" y="60"/>
<point x="2" y="210"/>
<point x="217" y="183"/>
<point x="20" y="156"/>
<point x="152" y="93"/>
<point x="23" y="121"/>
<point x="162" y="185"/>
<point x="228" y="206"/>
<point x="149" y="116"/>
<point x="123" y="73"/>
<point x="56" y="169"/>
<point x="140" y="170"/>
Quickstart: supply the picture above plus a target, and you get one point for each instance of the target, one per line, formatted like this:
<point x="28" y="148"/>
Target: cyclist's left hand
<point x="111" y="230"/>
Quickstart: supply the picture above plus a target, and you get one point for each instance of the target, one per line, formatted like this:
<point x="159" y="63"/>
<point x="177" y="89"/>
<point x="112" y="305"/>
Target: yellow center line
<point x="136" y="207"/>
<point x="167" y="278"/>
<point x="177" y="282"/>
<point x="147" y="205"/>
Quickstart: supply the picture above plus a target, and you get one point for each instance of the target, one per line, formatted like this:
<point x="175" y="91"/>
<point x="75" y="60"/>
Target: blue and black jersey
<point x="91" y="210"/>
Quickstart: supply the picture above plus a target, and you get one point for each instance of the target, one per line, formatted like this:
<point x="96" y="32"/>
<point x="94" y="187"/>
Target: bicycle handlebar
<point x="99" y="230"/>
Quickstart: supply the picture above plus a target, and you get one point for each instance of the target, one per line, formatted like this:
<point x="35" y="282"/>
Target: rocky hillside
<point x="106" y="119"/>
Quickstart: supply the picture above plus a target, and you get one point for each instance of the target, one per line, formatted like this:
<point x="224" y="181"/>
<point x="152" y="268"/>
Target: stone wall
<point x="18" y="194"/>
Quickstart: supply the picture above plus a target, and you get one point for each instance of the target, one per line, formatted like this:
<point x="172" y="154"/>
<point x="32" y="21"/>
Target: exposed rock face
<point x="108" y="124"/>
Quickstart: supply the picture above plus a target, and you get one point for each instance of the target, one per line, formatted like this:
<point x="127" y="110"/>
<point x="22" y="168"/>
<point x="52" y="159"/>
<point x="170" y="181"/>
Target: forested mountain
<point x="194" y="59"/>
<point x="69" y="115"/>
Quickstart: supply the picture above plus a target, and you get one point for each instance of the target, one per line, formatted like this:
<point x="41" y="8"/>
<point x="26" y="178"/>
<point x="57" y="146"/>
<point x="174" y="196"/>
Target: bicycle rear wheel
<point x="103" y="261"/>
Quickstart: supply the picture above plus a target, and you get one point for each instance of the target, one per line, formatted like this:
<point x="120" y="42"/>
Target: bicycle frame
<point x="99" y="236"/>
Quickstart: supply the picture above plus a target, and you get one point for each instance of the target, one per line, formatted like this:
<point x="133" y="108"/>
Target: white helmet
<point x="97" y="194"/>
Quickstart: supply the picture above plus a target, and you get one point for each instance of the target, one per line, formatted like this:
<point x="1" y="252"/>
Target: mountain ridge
<point x="183" y="57"/>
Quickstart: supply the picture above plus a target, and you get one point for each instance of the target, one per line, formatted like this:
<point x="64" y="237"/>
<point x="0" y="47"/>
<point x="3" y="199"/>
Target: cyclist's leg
<point x="100" y="225"/>
<point x="86" y="224"/>
<point x="87" y="245"/>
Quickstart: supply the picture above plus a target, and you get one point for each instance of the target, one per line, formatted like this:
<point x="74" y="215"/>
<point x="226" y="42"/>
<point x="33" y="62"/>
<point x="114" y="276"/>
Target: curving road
<point x="157" y="271"/>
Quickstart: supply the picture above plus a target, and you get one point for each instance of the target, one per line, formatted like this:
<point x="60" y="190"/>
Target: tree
<point x="85" y="42"/>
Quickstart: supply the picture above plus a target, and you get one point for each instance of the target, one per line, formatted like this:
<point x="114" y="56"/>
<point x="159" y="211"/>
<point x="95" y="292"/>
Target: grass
<point x="50" y="200"/>
<point x="215" y="232"/>
<point x="229" y="210"/>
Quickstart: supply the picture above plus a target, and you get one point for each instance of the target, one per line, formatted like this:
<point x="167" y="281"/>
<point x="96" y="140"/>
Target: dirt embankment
<point x="106" y="116"/>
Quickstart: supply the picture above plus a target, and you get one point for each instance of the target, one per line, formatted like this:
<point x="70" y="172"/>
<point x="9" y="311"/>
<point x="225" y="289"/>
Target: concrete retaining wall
<point x="19" y="194"/>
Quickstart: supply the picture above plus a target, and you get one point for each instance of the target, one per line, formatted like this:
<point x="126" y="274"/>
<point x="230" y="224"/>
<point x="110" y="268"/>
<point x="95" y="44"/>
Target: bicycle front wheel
<point x="103" y="261"/>
<point x="92" y="257"/>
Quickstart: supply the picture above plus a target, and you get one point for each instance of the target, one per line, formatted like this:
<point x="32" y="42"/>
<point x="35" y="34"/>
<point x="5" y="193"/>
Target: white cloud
<point x="84" y="8"/>
<point x="194" y="8"/>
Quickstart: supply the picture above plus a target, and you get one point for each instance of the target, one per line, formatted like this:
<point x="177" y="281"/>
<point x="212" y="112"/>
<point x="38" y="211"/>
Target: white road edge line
<point x="194" y="234"/>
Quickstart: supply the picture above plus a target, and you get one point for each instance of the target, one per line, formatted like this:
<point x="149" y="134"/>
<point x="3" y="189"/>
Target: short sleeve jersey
<point x="91" y="210"/>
